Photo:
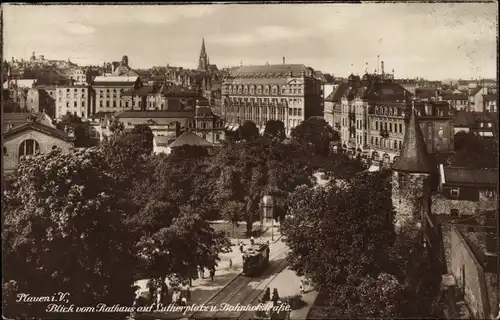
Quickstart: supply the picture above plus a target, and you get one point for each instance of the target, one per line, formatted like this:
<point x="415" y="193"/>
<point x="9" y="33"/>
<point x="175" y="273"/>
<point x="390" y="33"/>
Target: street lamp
<point x="268" y="205"/>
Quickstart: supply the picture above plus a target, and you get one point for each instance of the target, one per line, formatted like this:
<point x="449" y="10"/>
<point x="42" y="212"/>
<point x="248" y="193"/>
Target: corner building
<point x="289" y="92"/>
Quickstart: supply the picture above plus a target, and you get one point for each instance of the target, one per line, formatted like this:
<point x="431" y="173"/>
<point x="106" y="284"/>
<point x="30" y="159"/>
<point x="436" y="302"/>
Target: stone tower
<point x="203" y="60"/>
<point x="411" y="178"/>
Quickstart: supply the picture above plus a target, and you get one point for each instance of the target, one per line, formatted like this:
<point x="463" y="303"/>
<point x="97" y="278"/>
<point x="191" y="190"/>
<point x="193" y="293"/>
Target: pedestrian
<point x="301" y="287"/>
<point x="230" y="263"/>
<point x="202" y="272"/>
<point x="212" y="274"/>
<point x="276" y="296"/>
<point x="184" y="302"/>
<point x="267" y="295"/>
<point x="241" y="246"/>
<point x="252" y="241"/>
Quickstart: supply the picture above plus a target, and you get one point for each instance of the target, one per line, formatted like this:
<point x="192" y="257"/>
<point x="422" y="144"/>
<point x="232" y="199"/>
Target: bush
<point x="295" y="301"/>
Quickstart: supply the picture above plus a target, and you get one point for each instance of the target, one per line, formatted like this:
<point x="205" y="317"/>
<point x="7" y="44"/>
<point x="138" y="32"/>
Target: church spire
<point x="414" y="157"/>
<point x="203" y="60"/>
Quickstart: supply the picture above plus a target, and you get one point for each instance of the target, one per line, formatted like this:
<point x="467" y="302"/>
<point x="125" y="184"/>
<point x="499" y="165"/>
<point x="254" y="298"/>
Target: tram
<point x="255" y="259"/>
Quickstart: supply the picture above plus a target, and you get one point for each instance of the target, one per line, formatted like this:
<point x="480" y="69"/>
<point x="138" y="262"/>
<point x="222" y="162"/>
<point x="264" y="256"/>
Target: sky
<point x="429" y="40"/>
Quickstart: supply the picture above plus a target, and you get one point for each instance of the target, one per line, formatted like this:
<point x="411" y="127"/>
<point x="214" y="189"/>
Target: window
<point x="217" y="137"/>
<point x="390" y="127"/>
<point x="83" y="103"/>
<point x="299" y="91"/>
<point x="481" y="124"/>
<point x="376" y="125"/>
<point x="114" y="104"/>
<point x="455" y="192"/>
<point x="126" y="104"/>
<point x="74" y="104"/>
<point x="489" y="124"/>
<point x="4" y="151"/>
<point x="100" y="103"/>
<point x="400" y="128"/>
<point x="28" y="147"/>
<point x="107" y="104"/>
<point x="371" y="140"/>
<point x="67" y="104"/>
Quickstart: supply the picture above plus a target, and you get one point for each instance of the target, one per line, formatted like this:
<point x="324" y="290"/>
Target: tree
<point x="275" y="129"/>
<point x="172" y="201"/>
<point x="64" y="232"/>
<point x="316" y="134"/>
<point x="116" y="126"/>
<point x="145" y="137"/>
<point x="353" y="229"/>
<point x="248" y="131"/>
<point x="474" y="151"/>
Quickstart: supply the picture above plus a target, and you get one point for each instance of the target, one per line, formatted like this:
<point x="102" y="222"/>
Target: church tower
<point x="411" y="178"/>
<point x="203" y="60"/>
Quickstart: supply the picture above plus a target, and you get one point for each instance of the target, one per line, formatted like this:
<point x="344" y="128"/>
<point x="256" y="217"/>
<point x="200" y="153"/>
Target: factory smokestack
<point x="382" y="67"/>
<point x="283" y="60"/>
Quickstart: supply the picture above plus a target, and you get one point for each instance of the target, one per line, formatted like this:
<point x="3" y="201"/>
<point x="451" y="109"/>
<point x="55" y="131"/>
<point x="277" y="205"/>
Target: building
<point x="411" y="178"/>
<point x="78" y="76"/>
<point x="457" y="101"/>
<point x="16" y="119"/>
<point x="42" y="99"/>
<point x="490" y="103"/>
<point x="123" y="69"/>
<point x="30" y="139"/>
<point x="329" y="112"/>
<point x="109" y="94"/>
<point x="410" y="85"/>
<point x="162" y="123"/>
<point x="465" y="191"/>
<point x="290" y="93"/>
<point x="371" y="116"/>
<point x="483" y="124"/>
<point x="208" y="126"/>
<point x="76" y="100"/>
<point x="187" y="138"/>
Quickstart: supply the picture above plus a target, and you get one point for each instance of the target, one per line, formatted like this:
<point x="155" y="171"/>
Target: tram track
<point x="231" y="293"/>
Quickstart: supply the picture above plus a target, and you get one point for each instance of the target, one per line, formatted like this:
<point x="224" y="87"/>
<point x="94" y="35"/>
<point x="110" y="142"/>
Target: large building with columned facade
<point x="289" y="92"/>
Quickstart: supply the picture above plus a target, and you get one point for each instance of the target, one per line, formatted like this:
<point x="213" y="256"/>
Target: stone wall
<point x="469" y="275"/>
<point x="409" y="192"/>
<point x="443" y="206"/>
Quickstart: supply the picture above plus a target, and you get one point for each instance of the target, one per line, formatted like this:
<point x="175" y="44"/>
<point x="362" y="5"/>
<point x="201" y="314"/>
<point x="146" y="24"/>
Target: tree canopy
<point x="63" y="232"/>
<point x="315" y="134"/>
<point x="248" y="130"/>
<point x="275" y="129"/>
<point x="474" y="151"/>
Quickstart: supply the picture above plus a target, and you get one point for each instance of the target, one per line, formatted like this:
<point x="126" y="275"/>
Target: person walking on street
<point x="252" y="241"/>
<point x="212" y="274"/>
<point x="301" y="287"/>
<point x="275" y="297"/>
<point x="230" y="263"/>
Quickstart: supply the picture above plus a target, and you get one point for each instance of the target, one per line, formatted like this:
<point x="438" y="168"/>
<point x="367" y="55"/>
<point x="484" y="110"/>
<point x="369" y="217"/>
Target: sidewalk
<point x="288" y="284"/>
<point x="203" y="290"/>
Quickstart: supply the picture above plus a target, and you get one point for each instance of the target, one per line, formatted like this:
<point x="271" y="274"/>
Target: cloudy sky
<point x="436" y="41"/>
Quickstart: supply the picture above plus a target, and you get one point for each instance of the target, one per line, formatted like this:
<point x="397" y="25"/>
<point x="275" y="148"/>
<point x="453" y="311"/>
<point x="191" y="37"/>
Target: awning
<point x="229" y="128"/>
<point x="236" y="126"/>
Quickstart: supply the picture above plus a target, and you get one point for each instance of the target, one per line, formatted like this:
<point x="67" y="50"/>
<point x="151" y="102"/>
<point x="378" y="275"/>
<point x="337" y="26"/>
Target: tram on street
<point x="255" y="259"/>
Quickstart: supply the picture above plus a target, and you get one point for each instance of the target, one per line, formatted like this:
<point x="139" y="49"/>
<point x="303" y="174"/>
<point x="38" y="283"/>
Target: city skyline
<point x="433" y="41"/>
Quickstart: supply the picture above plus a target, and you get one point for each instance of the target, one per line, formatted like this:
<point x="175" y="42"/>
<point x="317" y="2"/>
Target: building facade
<point x="76" y="100"/>
<point x="371" y="114"/>
<point x="289" y="93"/>
<point x="30" y="139"/>
<point x="109" y="94"/>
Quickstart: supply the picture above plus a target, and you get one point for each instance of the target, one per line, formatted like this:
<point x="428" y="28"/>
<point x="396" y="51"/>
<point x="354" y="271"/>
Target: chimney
<point x="283" y="60"/>
<point x="382" y="67"/>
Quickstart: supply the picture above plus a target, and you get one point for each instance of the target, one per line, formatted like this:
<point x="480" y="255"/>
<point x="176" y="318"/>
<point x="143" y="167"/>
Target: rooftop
<point x="155" y="114"/>
<point x="277" y="70"/>
<point x="414" y="157"/>
<point x="115" y="79"/>
<point x="470" y="176"/>
<point x="191" y="139"/>
<point x="40" y="128"/>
